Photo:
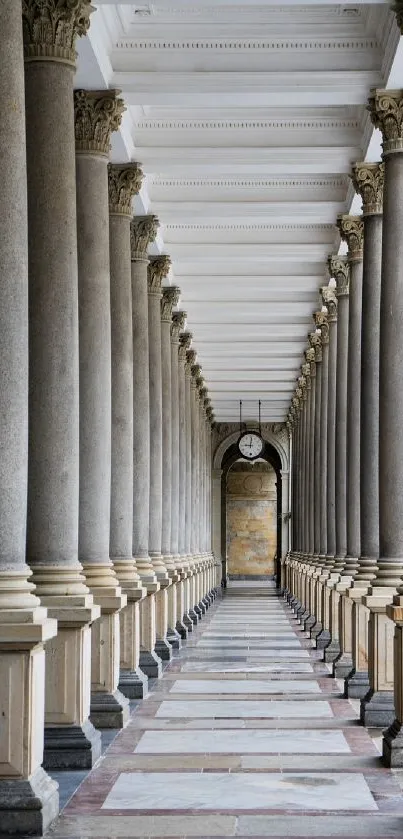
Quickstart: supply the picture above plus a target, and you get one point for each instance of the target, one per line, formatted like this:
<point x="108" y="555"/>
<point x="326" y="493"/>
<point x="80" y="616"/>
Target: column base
<point x="356" y="685"/>
<point x="71" y="746"/>
<point x="302" y="617"/>
<point x="377" y="709"/>
<point x="342" y="666"/>
<point x="323" y="639"/>
<point x="188" y="622"/>
<point x="28" y="806"/>
<point x="182" y="630"/>
<point x="199" y="611"/>
<point x="174" y="638"/>
<point x="392" y="746"/>
<point x="202" y="606"/>
<point x="133" y="683"/>
<point x="309" y="623"/>
<point x="109" y="710"/>
<point x="194" y="616"/>
<point x="332" y="651"/>
<point x="163" y="649"/>
<point x="316" y="629"/>
<point x="150" y="664"/>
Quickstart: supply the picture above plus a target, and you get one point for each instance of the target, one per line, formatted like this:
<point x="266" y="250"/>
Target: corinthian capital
<point x="51" y="27"/>
<point x="178" y="323"/>
<point x="124" y="181"/>
<point x="170" y="298"/>
<point x="321" y="322"/>
<point x="330" y="301"/>
<point x="398" y="8"/>
<point x="185" y="340"/>
<point x="368" y="181"/>
<point x="386" y="109"/>
<point x="158" y="268"/>
<point x="352" y="231"/>
<point x="97" y="114"/>
<point x="340" y="270"/>
<point x="315" y="342"/>
<point x="143" y="230"/>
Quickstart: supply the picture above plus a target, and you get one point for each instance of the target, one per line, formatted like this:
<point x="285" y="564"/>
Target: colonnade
<point x="105" y="425"/>
<point x="344" y="573"/>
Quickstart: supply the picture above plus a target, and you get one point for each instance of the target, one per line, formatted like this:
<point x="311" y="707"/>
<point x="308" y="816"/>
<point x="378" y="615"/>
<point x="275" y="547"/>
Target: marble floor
<point x="245" y="735"/>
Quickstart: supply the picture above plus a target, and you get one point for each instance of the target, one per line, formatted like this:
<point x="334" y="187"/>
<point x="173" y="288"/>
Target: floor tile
<point x="218" y="686"/>
<point x="243" y="741"/>
<point x="243" y="708"/>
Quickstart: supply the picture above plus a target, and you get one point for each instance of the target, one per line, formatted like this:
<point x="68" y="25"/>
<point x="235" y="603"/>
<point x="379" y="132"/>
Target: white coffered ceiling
<point x="246" y="117"/>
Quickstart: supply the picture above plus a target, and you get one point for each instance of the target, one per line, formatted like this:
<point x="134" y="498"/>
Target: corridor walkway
<point x="246" y="734"/>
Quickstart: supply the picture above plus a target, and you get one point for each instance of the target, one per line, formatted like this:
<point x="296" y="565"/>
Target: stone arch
<point x="267" y="435"/>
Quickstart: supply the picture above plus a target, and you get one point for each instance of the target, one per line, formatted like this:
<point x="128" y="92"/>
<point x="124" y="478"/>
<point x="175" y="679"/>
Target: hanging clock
<point x="250" y="445"/>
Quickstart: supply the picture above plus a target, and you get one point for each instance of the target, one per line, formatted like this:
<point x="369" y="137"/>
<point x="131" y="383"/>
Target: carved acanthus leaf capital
<point x="158" y="269"/>
<point x="143" y="230"/>
<point x="398" y="8"/>
<point x="315" y="342"/>
<point x="321" y="322"/>
<point x="310" y="357"/>
<point x="352" y="231"/>
<point x="97" y="113"/>
<point x="170" y="299"/>
<point x="306" y="374"/>
<point x="330" y="301"/>
<point x="51" y="27"/>
<point x="178" y="323"/>
<point x="124" y="181"/>
<point x="368" y="179"/>
<point x="386" y="109"/>
<point x="340" y="270"/>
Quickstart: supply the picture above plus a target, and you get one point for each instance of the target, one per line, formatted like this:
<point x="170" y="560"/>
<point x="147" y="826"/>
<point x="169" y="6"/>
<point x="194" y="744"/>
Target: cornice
<point x="253" y="183"/>
<point x="292" y="45"/>
<point x="248" y="124"/>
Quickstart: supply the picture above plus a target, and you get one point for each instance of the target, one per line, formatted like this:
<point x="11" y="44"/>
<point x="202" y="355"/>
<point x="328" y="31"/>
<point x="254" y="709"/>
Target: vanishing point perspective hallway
<point x="246" y="734"/>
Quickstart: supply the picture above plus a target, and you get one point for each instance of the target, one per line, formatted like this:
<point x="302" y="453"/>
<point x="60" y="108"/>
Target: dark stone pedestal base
<point x="392" y="746"/>
<point x="316" y="630"/>
<point x="199" y="612"/>
<point x="303" y="616"/>
<point x="342" y="666"/>
<point x="174" y="638"/>
<point x="323" y="639"/>
<point x="356" y="685"/>
<point x="206" y="601"/>
<point x="109" y="710"/>
<point x="202" y="606"/>
<point x="309" y="623"/>
<point x="163" y="649"/>
<point x="182" y="630"/>
<point x="28" y="807"/>
<point x="377" y="709"/>
<point x="194" y="616"/>
<point x="332" y="651"/>
<point x="150" y="664"/>
<point x="71" y="746"/>
<point x="133" y="683"/>
<point x="187" y="620"/>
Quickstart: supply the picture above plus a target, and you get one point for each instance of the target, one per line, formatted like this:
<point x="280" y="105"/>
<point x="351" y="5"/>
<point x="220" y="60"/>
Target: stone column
<point x="316" y="346"/>
<point x="330" y="301"/>
<point x="386" y="107"/>
<point x="97" y="114"/>
<point x="124" y="181"/>
<point x="143" y="230"/>
<point x="53" y="461"/>
<point x="368" y="181"/>
<point x="29" y="797"/>
<point x="321" y="323"/>
<point x="186" y="339"/>
<point x="157" y="270"/>
<point x="183" y="563"/>
<point x="194" y="480"/>
<point x="177" y="629"/>
<point x="351" y="230"/>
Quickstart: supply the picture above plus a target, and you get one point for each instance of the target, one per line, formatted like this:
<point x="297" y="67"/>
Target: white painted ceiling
<point x="246" y="117"/>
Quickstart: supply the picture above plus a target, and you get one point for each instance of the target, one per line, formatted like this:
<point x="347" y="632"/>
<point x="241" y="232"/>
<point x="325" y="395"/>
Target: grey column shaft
<point x="122" y="388"/>
<point x="311" y="498"/>
<point x="307" y="420"/>
<point x="391" y="379"/>
<point x="175" y="450"/>
<point x="13" y="296"/>
<point x="301" y="479"/>
<point x="317" y="466"/>
<point x="353" y="414"/>
<point x="341" y="428"/>
<point x="141" y="409"/>
<point x="166" y="437"/>
<point x="331" y="440"/>
<point x="155" y="377"/>
<point x="189" y="500"/>
<point x="182" y="451"/>
<point x="53" y="484"/>
<point x="195" y="468"/>
<point x="324" y="400"/>
<point x="369" y="419"/>
<point x="298" y="488"/>
<point x="95" y="357"/>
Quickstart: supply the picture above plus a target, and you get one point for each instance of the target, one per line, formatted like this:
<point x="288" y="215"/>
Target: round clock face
<point x="250" y="445"/>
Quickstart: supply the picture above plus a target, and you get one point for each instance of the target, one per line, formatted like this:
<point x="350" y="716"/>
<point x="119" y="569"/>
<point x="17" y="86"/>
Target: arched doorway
<point x="251" y="520"/>
<point x="226" y="453"/>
